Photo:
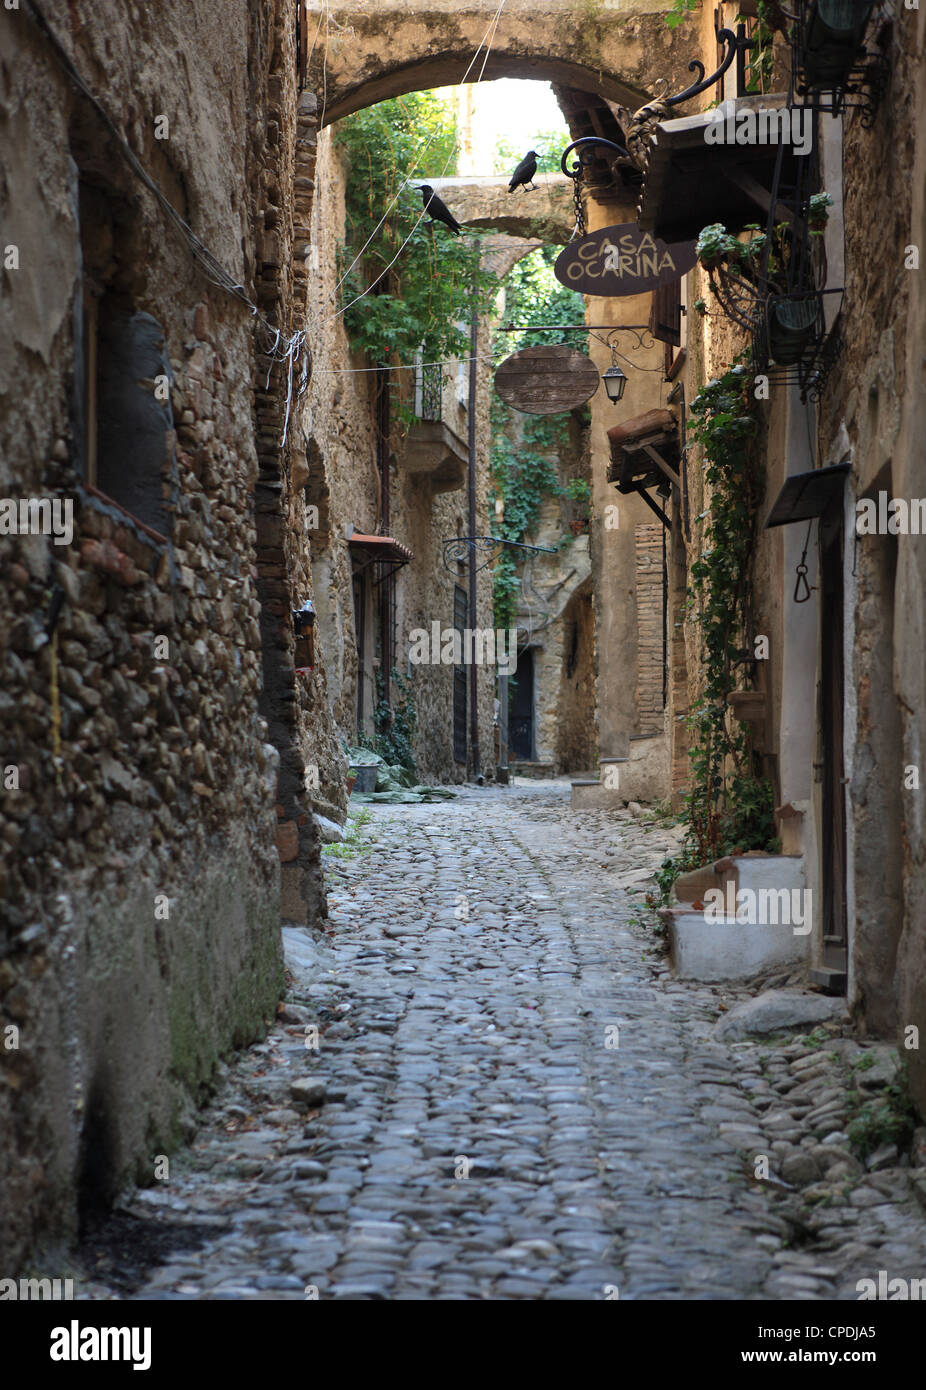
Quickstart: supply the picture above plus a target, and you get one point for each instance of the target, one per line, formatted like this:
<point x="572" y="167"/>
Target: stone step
<point x="756" y="871"/>
<point x="727" y="949"/>
<point x="590" y="794"/>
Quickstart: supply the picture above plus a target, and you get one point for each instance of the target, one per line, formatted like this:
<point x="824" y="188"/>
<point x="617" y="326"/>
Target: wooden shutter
<point x="665" y="320"/>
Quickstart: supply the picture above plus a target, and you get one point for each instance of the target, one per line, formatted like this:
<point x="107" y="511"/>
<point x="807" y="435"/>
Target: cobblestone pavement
<point x="519" y="1102"/>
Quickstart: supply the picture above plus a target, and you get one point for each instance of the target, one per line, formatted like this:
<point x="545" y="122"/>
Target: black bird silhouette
<point x="436" y="209"/>
<point x="524" y="174"/>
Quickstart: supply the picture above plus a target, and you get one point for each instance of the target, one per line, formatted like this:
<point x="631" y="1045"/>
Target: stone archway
<point x="364" y="54"/>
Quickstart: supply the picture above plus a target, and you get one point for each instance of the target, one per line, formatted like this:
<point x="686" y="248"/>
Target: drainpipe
<point x="471" y="433"/>
<point x="386" y="593"/>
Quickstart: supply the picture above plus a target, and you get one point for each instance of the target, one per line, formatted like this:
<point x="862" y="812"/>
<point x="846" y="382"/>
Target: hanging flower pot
<point x="792" y="327"/>
<point x="833" y="36"/>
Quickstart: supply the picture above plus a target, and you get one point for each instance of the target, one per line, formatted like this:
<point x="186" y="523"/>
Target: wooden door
<point x="835" y="927"/>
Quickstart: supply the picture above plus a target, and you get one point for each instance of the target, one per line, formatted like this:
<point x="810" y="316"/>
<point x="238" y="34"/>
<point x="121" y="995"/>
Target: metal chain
<point x="577" y="199"/>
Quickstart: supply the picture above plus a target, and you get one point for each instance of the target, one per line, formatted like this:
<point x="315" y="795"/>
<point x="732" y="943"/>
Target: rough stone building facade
<point x="423" y="503"/>
<point x="145" y="660"/>
<point x="173" y="366"/>
<point x="837" y="705"/>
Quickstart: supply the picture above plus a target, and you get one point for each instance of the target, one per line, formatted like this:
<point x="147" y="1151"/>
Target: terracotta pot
<point x="352" y="777"/>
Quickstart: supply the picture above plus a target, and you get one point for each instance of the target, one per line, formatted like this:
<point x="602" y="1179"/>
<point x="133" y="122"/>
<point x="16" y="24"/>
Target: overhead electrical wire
<point x="487" y="42"/>
<point x="285" y="350"/>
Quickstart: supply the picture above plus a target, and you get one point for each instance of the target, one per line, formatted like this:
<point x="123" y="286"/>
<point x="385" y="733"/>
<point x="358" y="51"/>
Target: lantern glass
<point x="843" y="17"/>
<point x="614" y="383"/>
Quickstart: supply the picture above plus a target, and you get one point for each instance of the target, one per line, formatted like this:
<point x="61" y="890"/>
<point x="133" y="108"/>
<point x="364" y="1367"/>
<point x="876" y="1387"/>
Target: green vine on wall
<point x="730" y="806"/>
<point x="424" y="302"/>
<point x="525" y="473"/>
<point x="395" y="723"/>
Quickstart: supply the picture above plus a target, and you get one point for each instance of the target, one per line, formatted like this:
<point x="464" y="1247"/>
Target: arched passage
<point x="363" y="55"/>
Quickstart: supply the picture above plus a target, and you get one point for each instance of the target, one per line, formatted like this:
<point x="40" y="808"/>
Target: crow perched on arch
<point x="524" y="174"/>
<point x="437" y="210"/>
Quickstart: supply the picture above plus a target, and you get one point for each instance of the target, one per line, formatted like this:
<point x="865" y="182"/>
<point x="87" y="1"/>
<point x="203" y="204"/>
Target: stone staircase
<point x="742" y="916"/>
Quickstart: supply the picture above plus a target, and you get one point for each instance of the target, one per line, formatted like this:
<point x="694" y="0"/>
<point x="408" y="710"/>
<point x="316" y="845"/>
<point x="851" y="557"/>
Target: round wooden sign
<point x="546" y="380"/>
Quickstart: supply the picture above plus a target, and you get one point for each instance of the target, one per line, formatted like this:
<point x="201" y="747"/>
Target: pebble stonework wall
<point x="139" y="872"/>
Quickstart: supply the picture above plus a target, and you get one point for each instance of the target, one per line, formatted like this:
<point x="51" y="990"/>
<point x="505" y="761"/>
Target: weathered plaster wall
<point x="613" y="547"/>
<point x="874" y="413"/>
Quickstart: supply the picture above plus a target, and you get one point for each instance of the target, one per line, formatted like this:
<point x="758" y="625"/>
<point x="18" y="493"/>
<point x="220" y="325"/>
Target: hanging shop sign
<point x="546" y="380"/>
<point x="622" y="260"/>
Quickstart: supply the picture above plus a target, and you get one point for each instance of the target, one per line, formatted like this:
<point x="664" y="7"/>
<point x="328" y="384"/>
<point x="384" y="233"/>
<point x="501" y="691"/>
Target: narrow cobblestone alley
<point x="517" y="1101"/>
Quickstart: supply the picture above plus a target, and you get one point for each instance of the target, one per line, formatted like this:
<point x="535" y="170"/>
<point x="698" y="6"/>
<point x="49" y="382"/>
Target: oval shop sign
<point x="622" y="260"/>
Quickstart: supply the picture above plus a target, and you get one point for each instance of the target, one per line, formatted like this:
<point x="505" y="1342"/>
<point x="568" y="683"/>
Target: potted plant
<point x="771" y="280"/>
<point x="576" y="494"/>
<point x="792" y="326"/>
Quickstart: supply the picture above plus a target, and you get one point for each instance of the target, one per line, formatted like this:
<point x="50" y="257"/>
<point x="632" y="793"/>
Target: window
<point x="122" y="372"/>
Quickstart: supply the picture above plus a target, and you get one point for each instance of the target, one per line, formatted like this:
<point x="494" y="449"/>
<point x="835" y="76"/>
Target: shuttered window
<point x="666" y="314"/>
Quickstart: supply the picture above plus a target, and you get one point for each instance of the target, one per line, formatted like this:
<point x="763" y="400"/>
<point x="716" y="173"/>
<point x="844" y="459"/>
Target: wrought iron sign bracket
<point x="604" y="333"/>
<point x="457" y="550"/>
<point x="737" y="45"/>
<point x="585" y="155"/>
<point x="653" y="506"/>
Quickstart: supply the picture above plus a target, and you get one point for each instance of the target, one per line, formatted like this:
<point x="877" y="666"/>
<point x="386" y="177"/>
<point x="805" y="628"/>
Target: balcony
<point x="436" y="453"/>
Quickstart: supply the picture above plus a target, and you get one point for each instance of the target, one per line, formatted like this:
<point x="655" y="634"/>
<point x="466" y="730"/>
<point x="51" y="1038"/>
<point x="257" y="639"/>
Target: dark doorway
<point x="360" y="596"/>
<point x="521" y="717"/>
<point x="834" y="924"/>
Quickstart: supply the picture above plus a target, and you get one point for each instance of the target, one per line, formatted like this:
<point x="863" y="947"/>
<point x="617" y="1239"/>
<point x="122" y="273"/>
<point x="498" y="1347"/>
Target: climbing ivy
<point x="760" y="58"/>
<point x="525" y="473"/>
<point x="680" y="10"/>
<point x="730" y="807"/>
<point x="395" y="723"/>
<point x="424" y="302"/>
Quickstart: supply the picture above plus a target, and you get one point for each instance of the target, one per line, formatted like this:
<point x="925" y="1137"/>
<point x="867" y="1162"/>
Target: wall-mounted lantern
<point x="833" y="65"/>
<point x="833" y="34"/>
<point x="304" y="631"/>
<point x="614" y="383"/>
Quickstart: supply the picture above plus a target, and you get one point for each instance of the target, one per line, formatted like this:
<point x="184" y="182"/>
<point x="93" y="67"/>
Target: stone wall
<point x="650" y="659"/>
<point x="555" y="617"/>
<point x="367" y="53"/>
<point x="874" y="414"/>
<point x="336" y="424"/>
<point x="140" y="879"/>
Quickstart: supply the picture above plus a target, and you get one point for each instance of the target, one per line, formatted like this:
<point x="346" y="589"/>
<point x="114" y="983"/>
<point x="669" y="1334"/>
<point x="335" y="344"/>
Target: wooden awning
<point x="690" y="183"/>
<point x="645" y="453"/>
<point x="378" y="550"/>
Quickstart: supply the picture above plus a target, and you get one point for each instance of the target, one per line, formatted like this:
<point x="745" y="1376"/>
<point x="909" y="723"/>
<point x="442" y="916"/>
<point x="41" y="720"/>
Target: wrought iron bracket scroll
<point x="737" y="45"/>
<point x="458" y="549"/>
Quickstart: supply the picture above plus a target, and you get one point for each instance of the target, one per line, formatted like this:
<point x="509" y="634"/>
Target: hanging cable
<point x="426" y="146"/>
<point x="283" y="350"/>
<point x="422" y="214"/>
